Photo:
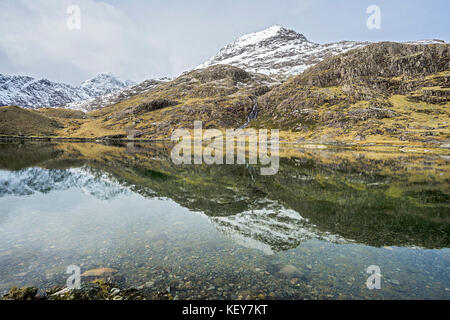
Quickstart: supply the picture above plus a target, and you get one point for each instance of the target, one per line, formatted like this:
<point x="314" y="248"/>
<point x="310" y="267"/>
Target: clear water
<point x="224" y="232"/>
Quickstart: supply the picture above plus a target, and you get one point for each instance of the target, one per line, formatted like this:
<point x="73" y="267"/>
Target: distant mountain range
<point x="34" y="93"/>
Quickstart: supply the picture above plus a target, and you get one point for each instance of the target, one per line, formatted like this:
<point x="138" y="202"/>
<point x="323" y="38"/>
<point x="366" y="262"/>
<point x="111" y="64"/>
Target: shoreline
<point x="425" y="148"/>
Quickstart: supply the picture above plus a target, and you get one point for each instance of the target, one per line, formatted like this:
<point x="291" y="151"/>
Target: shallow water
<point x="224" y="232"/>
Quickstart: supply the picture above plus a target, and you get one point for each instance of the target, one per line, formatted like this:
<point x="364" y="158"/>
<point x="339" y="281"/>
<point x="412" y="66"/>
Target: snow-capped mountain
<point x="277" y="51"/>
<point x="29" y="92"/>
<point x="35" y="93"/>
<point x="114" y="97"/>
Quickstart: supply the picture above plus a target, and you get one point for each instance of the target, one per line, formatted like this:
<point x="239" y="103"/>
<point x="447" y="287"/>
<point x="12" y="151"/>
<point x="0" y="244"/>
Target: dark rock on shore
<point x="29" y="293"/>
<point x="95" y="290"/>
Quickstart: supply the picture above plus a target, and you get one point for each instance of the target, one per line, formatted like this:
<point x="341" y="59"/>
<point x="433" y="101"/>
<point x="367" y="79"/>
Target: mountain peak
<point x="276" y="51"/>
<point x="104" y="83"/>
<point x="270" y="33"/>
<point x="280" y="30"/>
<point x="275" y="28"/>
<point x="101" y="77"/>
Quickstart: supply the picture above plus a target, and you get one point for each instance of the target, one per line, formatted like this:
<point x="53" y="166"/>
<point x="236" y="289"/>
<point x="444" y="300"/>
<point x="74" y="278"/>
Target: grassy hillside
<point x="18" y="121"/>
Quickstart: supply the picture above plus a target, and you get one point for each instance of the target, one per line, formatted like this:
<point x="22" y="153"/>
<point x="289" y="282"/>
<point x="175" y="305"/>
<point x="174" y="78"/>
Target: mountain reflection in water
<point x="376" y="199"/>
<point x="372" y="198"/>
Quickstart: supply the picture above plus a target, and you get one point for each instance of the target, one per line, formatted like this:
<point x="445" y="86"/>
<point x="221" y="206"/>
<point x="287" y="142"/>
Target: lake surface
<point x="224" y="231"/>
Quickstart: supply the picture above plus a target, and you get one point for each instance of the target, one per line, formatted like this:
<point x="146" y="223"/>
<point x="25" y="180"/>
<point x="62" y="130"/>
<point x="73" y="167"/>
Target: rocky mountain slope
<point x="384" y="90"/>
<point x="37" y="93"/>
<point x="277" y="51"/>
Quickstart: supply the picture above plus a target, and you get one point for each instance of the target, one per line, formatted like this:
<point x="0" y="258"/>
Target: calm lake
<point x="224" y="231"/>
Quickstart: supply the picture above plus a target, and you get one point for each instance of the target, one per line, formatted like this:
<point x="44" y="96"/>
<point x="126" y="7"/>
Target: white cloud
<point x="138" y="39"/>
<point x="36" y="41"/>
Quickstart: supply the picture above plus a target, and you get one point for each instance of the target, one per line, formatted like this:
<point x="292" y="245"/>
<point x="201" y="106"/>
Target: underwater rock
<point x="289" y="271"/>
<point x="100" y="272"/>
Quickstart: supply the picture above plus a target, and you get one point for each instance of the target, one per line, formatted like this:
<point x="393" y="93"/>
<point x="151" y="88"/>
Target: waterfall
<point x="252" y="115"/>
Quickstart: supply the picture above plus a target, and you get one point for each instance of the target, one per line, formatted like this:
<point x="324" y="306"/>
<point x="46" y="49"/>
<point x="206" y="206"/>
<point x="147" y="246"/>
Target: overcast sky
<point x="141" y="39"/>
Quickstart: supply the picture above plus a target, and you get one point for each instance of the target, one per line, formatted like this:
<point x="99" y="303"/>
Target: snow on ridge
<point x="427" y="41"/>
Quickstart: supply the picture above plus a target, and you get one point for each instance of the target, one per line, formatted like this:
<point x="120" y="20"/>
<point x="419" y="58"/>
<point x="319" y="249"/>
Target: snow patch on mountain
<point x="426" y="41"/>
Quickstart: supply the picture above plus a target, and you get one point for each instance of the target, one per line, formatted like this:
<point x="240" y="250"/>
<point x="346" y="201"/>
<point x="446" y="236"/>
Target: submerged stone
<point x="100" y="272"/>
